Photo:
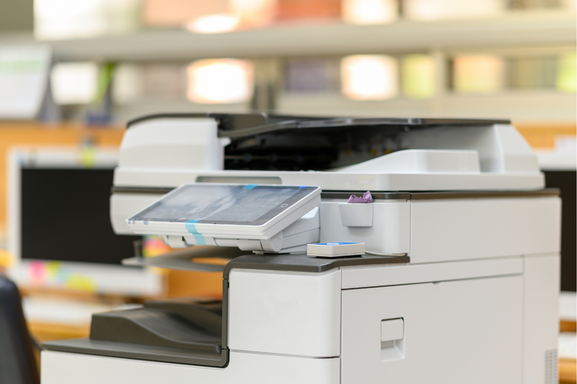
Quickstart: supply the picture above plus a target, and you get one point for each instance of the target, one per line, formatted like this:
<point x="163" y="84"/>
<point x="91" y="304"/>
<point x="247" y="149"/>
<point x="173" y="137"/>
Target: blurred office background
<point x="112" y="60"/>
<point x="73" y="72"/>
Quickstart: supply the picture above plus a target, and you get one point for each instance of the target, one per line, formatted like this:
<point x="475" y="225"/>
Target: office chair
<point x="17" y="363"/>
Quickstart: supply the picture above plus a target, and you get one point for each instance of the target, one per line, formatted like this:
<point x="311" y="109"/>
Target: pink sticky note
<point x="37" y="271"/>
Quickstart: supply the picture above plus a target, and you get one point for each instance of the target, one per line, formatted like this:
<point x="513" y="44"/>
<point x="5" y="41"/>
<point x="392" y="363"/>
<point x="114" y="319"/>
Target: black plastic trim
<point x="240" y="126"/>
<point x="384" y="195"/>
<point x="149" y="190"/>
<point x="304" y="263"/>
<point x="166" y="115"/>
<point x="439" y="195"/>
<point x="140" y="352"/>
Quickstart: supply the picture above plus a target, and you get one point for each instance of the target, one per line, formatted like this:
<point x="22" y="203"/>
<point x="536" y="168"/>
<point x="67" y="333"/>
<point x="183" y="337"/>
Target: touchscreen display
<point x="224" y="204"/>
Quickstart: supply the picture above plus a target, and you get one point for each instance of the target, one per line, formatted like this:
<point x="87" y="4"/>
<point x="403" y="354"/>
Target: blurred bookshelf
<point x="515" y="28"/>
<point x="497" y="59"/>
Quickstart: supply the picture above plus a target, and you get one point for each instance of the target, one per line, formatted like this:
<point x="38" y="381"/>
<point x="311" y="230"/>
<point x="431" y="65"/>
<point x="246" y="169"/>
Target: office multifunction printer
<point x="458" y="281"/>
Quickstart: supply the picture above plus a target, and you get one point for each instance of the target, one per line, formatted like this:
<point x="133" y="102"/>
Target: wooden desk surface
<point x="567" y="371"/>
<point x="567" y="367"/>
<point x="51" y="331"/>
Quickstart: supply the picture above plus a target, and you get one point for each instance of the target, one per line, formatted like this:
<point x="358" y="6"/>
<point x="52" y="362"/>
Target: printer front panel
<point x="458" y="229"/>
<point x="243" y="368"/>
<point x="286" y="313"/>
<point x="443" y="229"/>
<point x="384" y="225"/>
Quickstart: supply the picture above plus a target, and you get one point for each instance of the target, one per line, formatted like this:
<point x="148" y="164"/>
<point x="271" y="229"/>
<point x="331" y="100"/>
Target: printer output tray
<point x="176" y="331"/>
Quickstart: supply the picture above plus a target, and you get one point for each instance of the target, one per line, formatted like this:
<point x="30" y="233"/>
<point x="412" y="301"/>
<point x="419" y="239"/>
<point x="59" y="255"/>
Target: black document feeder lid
<point x="262" y="141"/>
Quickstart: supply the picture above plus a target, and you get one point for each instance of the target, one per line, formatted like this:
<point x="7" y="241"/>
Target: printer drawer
<point x="464" y="331"/>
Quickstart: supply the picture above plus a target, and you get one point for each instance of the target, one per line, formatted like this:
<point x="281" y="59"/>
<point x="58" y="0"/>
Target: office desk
<point x="567" y="367"/>
<point x="567" y="371"/>
<point x="50" y="331"/>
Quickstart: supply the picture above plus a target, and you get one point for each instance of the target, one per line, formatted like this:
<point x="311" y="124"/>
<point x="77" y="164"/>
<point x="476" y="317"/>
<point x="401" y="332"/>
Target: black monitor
<point x="565" y="180"/>
<point x="64" y="217"/>
<point x="59" y="224"/>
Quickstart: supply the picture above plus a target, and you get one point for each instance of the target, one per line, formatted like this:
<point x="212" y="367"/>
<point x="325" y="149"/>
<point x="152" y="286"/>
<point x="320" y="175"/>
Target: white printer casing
<point x="473" y="299"/>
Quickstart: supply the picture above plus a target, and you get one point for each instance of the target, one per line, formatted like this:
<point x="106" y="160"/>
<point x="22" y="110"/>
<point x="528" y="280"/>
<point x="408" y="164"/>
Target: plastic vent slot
<point x="551" y="369"/>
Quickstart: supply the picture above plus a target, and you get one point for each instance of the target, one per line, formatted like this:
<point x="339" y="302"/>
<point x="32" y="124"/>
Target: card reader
<point x="335" y="249"/>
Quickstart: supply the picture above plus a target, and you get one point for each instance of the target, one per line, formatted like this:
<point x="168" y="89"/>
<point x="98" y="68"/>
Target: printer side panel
<point x="540" y="319"/>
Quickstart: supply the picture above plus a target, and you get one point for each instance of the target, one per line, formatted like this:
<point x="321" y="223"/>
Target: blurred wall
<point x="16" y="15"/>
